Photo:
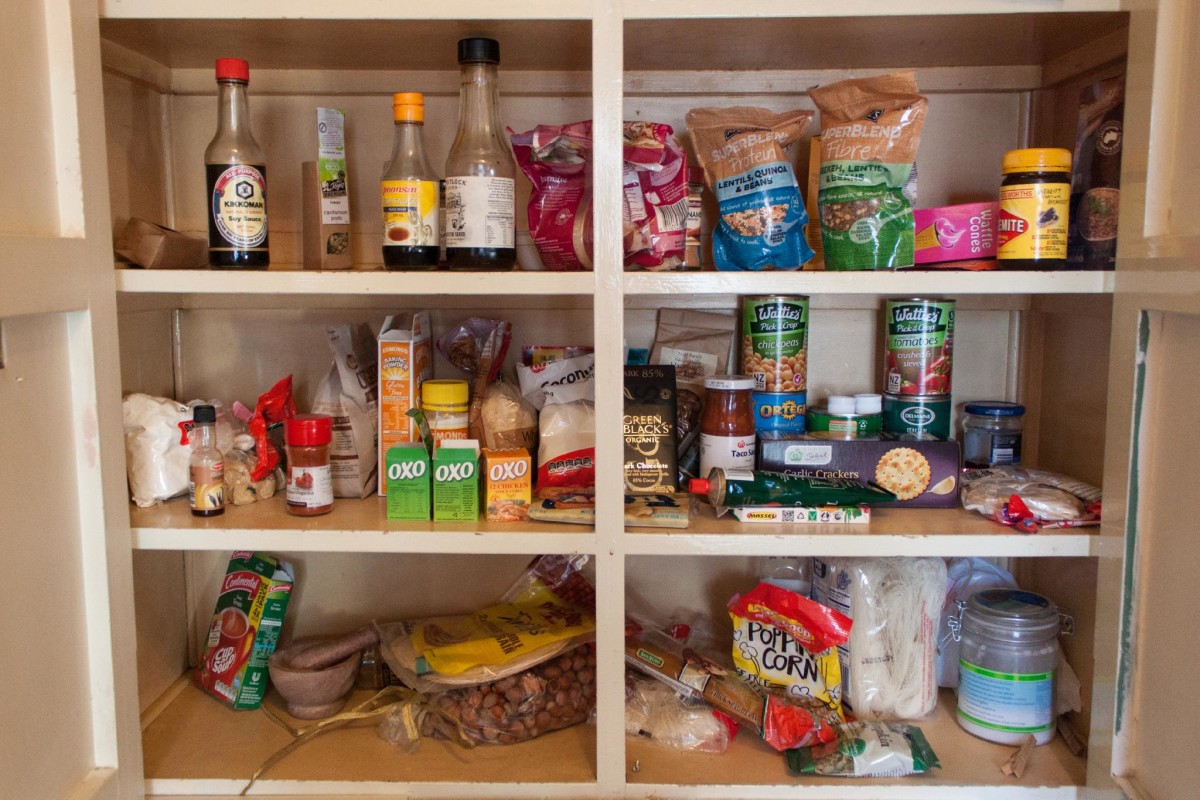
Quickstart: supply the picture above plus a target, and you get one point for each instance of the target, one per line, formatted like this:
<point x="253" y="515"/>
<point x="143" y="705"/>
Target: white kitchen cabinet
<point x="1105" y="362"/>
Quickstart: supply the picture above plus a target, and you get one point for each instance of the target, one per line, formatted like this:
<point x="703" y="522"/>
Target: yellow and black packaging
<point x="1035" y="196"/>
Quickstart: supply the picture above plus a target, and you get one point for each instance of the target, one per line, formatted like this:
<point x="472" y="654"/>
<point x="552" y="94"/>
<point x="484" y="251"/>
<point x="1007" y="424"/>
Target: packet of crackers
<point x="786" y="644"/>
<point x="782" y="722"/>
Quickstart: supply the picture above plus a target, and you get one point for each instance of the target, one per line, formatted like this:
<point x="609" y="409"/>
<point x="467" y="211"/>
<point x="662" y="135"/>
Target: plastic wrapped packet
<point x="656" y="712"/>
<point x="156" y="460"/>
<point x="1030" y="499"/>
<point x="867" y="750"/>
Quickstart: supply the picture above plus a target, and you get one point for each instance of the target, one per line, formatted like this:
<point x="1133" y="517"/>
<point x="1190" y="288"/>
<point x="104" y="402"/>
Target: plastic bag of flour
<point x="156" y="459"/>
<point x="349" y="394"/>
<point x="567" y="445"/>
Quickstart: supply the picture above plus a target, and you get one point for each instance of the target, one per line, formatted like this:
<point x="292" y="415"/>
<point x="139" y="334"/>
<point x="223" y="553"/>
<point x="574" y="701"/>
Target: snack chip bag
<point x="867" y="750"/>
<point x="762" y="213"/>
<point x="787" y="644"/>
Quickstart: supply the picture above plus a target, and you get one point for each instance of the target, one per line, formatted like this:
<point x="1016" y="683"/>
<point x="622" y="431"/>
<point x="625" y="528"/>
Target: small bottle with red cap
<point x="309" y="480"/>
<point x="236" y="174"/>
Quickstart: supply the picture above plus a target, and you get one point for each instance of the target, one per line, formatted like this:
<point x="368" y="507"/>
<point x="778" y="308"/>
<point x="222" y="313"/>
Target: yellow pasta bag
<point x="786" y="644"/>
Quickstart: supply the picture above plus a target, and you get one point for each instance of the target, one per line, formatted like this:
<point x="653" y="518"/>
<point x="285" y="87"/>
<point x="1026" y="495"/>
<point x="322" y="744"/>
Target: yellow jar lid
<point x="1036" y="159"/>
<point x="444" y="395"/>
<point x="408" y="107"/>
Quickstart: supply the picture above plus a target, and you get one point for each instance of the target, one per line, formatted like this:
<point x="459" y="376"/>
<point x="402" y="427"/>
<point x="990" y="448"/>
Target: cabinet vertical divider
<point x="608" y="325"/>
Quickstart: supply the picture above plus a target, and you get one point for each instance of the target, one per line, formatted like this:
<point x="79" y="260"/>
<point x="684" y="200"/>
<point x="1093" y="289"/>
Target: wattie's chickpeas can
<point x="775" y="343"/>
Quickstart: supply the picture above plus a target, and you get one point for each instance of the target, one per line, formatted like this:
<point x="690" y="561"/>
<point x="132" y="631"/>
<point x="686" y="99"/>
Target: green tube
<point x="742" y="487"/>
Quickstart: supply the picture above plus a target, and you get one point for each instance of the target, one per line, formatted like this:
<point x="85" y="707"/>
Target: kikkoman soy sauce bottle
<point x="480" y="212"/>
<point x="236" y="174"/>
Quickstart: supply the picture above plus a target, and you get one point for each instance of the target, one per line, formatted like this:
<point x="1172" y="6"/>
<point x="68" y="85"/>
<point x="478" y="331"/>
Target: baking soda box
<point x="408" y="482"/>
<point x="245" y="628"/>
<point x="507" y="484"/>
<point x="405" y="362"/>
<point x="456" y="481"/>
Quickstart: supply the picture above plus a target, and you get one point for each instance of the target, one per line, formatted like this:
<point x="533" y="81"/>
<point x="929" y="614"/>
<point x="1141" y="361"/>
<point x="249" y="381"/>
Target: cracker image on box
<point x="904" y="472"/>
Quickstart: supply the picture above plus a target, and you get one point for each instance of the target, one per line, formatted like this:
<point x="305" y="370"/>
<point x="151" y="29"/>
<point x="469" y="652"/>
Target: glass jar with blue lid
<point x="992" y="433"/>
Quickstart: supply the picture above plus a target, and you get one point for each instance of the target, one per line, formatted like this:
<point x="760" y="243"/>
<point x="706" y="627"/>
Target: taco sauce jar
<point x="309" y="480"/>
<point x="1034" y="198"/>
<point x="727" y="424"/>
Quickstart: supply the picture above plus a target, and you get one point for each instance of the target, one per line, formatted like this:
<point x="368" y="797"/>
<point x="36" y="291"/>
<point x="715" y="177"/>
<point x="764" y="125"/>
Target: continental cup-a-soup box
<point x="922" y="474"/>
<point x="245" y="628"/>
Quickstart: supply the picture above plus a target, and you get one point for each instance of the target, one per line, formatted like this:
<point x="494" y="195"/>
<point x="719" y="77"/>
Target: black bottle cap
<point x="202" y="414"/>
<point x="476" y="51"/>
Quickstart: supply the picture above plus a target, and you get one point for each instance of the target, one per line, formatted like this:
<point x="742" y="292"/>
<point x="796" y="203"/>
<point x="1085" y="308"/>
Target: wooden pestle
<point x="325" y="654"/>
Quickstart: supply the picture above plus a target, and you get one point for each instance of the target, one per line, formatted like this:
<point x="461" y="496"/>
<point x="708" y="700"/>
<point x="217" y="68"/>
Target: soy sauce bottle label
<point x="410" y="213"/>
<point x="238" y="207"/>
<point x="479" y="212"/>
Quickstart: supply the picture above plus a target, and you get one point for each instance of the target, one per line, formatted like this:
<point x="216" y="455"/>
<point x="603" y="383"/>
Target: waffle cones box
<point x="405" y="362"/>
<point x="245" y="628"/>
<point x="922" y="474"/>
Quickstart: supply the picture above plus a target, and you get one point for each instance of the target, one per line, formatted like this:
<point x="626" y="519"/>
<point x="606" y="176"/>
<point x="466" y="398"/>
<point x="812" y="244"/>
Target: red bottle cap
<point x="698" y="486"/>
<point x="233" y="68"/>
<point x="308" y="430"/>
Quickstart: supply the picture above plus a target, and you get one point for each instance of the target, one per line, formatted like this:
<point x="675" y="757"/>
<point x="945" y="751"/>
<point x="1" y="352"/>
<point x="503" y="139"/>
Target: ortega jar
<point x="918" y="346"/>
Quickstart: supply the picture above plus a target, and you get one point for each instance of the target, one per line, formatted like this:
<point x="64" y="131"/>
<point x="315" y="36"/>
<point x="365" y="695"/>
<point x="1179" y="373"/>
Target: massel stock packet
<point x="245" y="628"/>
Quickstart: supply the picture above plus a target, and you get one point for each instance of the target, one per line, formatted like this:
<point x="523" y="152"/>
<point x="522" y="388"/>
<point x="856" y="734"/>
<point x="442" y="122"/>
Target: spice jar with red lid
<point x="309" y="481"/>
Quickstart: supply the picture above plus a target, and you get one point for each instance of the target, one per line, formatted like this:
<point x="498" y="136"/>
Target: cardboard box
<point x="456" y="481"/>
<point x="508" y="484"/>
<point x="154" y="247"/>
<point x="245" y="628"/>
<point x="924" y="473"/>
<point x="649" y="427"/>
<point x="963" y="232"/>
<point x="408" y="481"/>
<point x="819" y="515"/>
<point x="326" y="196"/>
<point x="405" y="362"/>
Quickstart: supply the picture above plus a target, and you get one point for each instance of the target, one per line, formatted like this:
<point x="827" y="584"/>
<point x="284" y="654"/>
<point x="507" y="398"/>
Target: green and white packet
<point x="866" y="750"/>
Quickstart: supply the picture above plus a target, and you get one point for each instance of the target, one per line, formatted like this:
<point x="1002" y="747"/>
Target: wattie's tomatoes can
<point x="918" y="346"/>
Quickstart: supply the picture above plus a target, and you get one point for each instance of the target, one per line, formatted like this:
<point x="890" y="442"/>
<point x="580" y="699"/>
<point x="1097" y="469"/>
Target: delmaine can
<point x="918" y="343"/>
<point x="916" y="417"/>
<point x="775" y="343"/>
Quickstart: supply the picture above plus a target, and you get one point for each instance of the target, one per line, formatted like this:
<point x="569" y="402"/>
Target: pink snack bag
<point x="557" y="161"/>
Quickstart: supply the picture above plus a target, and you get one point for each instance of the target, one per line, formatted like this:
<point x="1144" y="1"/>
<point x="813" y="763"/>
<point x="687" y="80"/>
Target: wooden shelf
<point x="891" y="532"/>
<point x="751" y="769"/>
<point x="354" y="526"/>
<point x="901" y="282"/>
<point x="197" y="746"/>
<point x="370" y="282"/>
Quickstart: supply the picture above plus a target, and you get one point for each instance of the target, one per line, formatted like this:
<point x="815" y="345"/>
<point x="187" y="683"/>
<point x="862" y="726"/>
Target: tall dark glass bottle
<point x="236" y="175"/>
<point x="480" y="213"/>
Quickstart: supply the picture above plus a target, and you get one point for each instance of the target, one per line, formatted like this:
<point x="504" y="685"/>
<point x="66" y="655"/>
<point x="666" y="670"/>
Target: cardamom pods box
<point x="245" y="628"/>
<point x="456" y="481"/>
<point x="408" y="483"/>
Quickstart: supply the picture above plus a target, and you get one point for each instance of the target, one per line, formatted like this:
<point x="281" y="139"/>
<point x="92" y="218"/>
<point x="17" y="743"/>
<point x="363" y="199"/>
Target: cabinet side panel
<point x="136" y="152"/>
<point x="160" y="603"/>
<point x="1165" y="644"/>
<point x="46" y="744"/>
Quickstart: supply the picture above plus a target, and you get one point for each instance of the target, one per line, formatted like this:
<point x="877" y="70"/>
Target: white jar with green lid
<point x="1006" y="666"/>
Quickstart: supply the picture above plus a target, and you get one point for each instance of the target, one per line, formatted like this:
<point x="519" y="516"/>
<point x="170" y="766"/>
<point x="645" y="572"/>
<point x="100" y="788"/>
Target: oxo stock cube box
<point x="922" y="474"/>
<point x="245" y="628"/>
<point x="456" y="481"/>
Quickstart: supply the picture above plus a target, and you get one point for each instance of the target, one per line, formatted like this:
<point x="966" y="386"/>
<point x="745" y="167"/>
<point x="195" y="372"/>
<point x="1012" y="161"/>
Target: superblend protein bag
<point x="870" y="130"/>
<point x="762" y="213"/>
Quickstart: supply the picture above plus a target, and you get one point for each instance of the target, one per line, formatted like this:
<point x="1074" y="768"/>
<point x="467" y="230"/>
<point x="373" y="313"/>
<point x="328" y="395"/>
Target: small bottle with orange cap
<point x="409" y="189"/>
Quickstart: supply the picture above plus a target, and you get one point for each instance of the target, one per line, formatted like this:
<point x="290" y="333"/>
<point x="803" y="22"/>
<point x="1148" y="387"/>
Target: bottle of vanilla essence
<point x="480" y="213"/>
<point x="236" y="174"/>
